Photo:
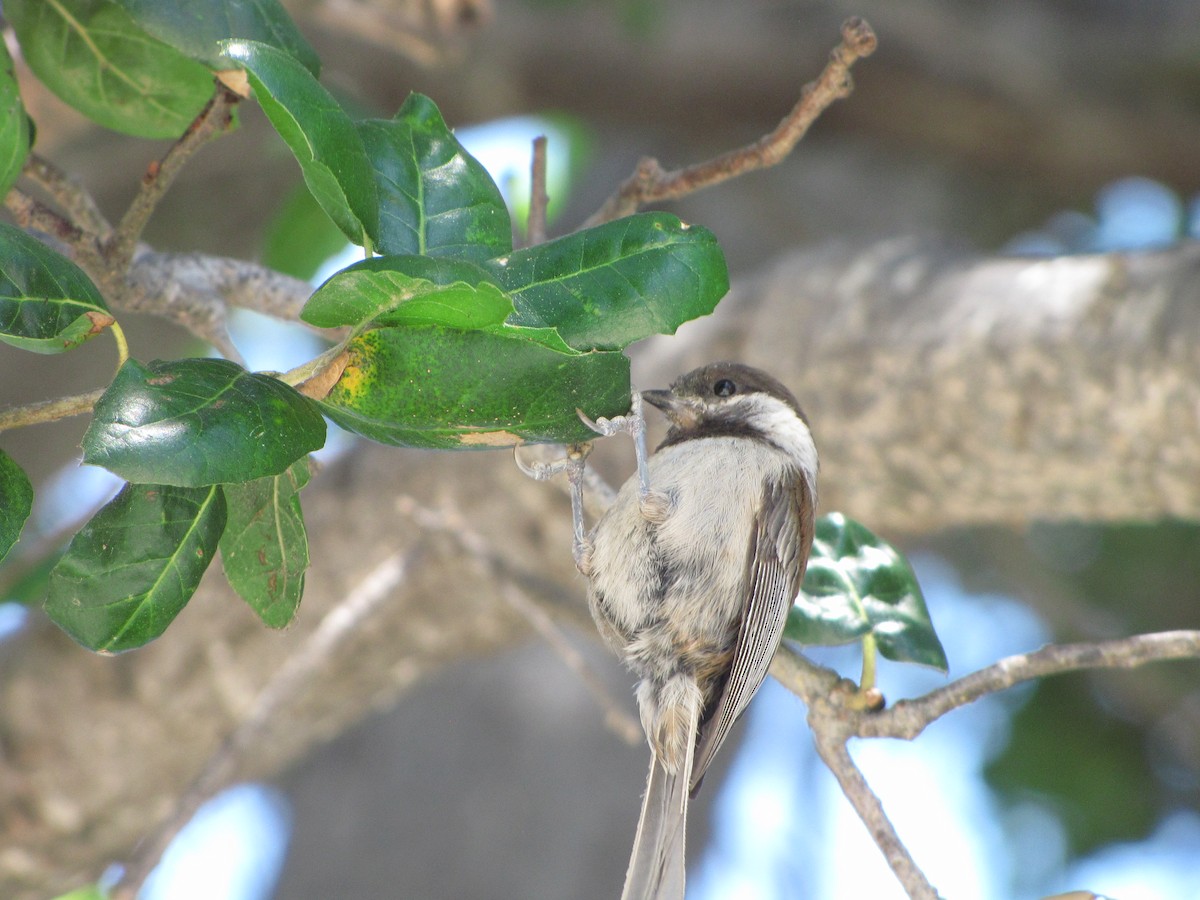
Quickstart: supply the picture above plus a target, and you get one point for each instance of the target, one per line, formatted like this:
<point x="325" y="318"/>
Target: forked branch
<point x="650" y="183"/>
<point x="834" y="719"/>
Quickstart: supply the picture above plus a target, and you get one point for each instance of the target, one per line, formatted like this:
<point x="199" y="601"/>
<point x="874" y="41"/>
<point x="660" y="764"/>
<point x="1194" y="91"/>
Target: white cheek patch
<point x="777" y="419"/>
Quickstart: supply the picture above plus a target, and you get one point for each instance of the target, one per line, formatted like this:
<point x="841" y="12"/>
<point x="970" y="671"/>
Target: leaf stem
<point x="118" y="334"/>
<point x="870" y="655"/>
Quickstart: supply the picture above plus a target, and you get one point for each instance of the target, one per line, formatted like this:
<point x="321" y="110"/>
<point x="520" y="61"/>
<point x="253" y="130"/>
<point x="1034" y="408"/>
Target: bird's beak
<point x="679" y="411"/>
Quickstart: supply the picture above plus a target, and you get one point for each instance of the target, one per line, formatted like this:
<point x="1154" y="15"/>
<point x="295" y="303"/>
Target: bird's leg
<point x="573" y="464"/>
<point x="654" y="505"/>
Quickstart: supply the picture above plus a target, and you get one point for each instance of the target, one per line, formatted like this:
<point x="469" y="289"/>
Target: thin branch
<point x="74" y="200"/>
<point x="908" y="718"/>
<point x="33" y="215"/>
<point x="834" y="753"/>
<point x="650" y="183"/>
<point x="834" y="719"/>
<point x="538" y="199"/>
<point x="214" y="119"/>
<point x="340" y="624"/>
<point x="49" y="410"/>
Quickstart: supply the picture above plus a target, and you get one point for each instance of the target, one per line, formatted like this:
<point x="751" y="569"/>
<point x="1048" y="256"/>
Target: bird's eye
<point x="724" y="388"/>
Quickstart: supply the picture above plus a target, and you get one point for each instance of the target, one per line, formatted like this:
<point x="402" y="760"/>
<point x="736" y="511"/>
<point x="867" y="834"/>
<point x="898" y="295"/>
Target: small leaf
<point x="194" y="28"/>
<point x="856" y="584"/>
<point x="15" y="136"/>
<point x="47" y="303"/>
<point x="608" y="286"/>
<point x="264" y="549"/>
<point x="319" y="134"/>
<point x="193" y="422"/>
<point x="437" y="387"/>
<point x="94" y="56"/>
<point x="134" y="566"/>
<point x="408" y="290"/>
<point x="16" y="501"/>
<point x="435" y="199"/>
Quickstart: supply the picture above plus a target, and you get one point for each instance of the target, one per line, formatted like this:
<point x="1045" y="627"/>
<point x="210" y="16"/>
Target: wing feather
<point x="775" y="565"/>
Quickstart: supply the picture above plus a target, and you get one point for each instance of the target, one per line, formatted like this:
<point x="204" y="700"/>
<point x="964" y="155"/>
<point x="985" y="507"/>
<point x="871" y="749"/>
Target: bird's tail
<point x="656" y="867"/>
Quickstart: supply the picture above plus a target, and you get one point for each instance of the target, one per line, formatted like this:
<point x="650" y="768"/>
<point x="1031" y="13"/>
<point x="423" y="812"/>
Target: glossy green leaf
<point x="857" y="584"/>
<point x="437" y="387"/>
<point x="193" y="422"/>
<point x="95" y="57"/>
<point x="47" y="303"/>
<point x="264" y="549"/>
<point x="194" y="28"/>
<point x="134" y="566"/>
<point x="608" y="286"/>
<point x="435" y="199"/>
<point x="300" y="238"/>
<point x="408" y="290"/>
<point x="319" y="134"/>
<point x="16" y="500"/>
<point x="15" y="136"/>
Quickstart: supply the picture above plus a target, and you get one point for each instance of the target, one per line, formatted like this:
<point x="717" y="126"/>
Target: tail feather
<point x="656" y="867"/>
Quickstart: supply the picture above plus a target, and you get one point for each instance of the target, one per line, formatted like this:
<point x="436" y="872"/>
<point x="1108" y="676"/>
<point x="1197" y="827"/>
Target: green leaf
<point x="435" y="199"/>
<point x="47" y="303"/>
<point x="857" y="584"/>
<point x="15" y="136"/>
<point x="194" y="28"/>
<point x="300" y="237"/>
<point x="264" y="549"/>
<point x="96" y="58"/>
<point x="16" y="500"/>
<point x="134" y="566"/>
<point x="438" y="387"/>
<point x="606" y="287"/>
<point x="319" y="134"/>
<point x="193" y="422"/>
<point x="408" y="290"/>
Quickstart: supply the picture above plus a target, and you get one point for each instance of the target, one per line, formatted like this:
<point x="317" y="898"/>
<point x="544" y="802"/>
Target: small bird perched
<point x="690" y="578"/>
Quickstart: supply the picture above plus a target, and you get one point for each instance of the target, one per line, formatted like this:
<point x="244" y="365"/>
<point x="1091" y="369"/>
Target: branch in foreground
<point x="834" y="753"/>
<point x="908" y="718"/>
<point x="834" y="721"/>
<point x="650" y="183"/>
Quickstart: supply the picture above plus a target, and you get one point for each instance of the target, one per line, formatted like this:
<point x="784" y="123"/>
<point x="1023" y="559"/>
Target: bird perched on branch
<point x="691" y="572"/>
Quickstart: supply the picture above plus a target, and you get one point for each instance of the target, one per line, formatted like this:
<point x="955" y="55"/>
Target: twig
<point x="476" y="546"/>
<point x="214" y="119"/>
<point x="342" y="622"/>
<point x="49" y="410"/>
<point x="833" y="750"/>
<point x="535" y="232"/>
<point x="908" y="718"/>
<point x="650" y="183"/>
<point x="834" y="720"/>
<point x="78" y="204"/>
<point x="32" y="214"/>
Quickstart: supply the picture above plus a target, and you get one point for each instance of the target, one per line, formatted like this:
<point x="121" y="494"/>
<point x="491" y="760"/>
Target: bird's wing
<point x="775" y="568"/>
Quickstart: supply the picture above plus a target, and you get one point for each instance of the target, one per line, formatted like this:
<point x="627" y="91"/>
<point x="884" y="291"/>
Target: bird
<point x="690" y="575"/>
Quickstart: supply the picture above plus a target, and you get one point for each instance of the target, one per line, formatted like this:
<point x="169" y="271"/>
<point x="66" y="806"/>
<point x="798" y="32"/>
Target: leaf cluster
<point x="449" y="337"/>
